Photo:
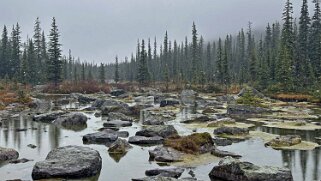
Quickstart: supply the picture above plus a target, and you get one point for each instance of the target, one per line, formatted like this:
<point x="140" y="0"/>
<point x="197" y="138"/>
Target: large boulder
<point x="8" y="154"/>
<point x="110" y="105"/>
<point x="168" y="172"/>
<point x="71" y="119"/>
<point x="188" y="97"/>
<point x="39" y="106"/>
<point x="158" y="130"/>
<point x="142" y="140"/>
<point x="69" y="162"/>
<point x="169" y="102"/>
<point x="245" y="110"/>
<point x="231" y="131"/>
<point x="48" y="117"/>
<point x="288" y="140"/>
<point x="120" y="146"/>
<point x="165" y="154"/>
<point x="232" y="169"/>
<point x="102" y="137"/>
<point x="226" y="99"/>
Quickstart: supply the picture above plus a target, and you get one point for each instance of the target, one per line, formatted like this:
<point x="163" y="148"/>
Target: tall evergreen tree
<point x="195" y="54"/>
<point x="55" y="62"/>
<point x="116" y="78"/>
<point x="315" y="39"/>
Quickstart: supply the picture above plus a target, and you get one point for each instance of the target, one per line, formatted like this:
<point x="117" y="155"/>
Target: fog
<point x="98" y="30"/>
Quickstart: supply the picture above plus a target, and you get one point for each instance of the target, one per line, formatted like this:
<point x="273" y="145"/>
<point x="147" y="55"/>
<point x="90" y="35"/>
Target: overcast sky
<point x="100" y="29"/>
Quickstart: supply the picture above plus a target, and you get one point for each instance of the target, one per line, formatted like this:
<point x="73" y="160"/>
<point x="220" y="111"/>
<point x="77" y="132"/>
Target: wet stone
<point x="142" y="140"/>
<point x="100" y="138"/>
<point x="169" y="172"/>
<point x="8" y="154"/>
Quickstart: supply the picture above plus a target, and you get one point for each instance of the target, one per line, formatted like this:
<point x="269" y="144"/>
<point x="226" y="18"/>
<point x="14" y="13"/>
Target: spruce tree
<point x="4" y="56"/>
<point x="315" y="39"/>
<point x="37" y="44"/>
<point x="195" y="54"/>
<point x="116" y="78"/>
<point x="55" y="62"/>
<point x="102" y="73"/>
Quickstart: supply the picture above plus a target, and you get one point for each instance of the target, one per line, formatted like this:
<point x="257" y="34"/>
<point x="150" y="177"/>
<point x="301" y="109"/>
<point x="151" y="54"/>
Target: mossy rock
<point x="196" y="143"/>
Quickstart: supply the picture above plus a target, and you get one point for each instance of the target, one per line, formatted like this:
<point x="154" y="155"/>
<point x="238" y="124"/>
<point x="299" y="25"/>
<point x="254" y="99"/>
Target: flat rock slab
<point x="102" y="137"/>
<point x="222" y="153"/>
<point x="231" y="131"/>
<point x="162" y="178"/>
<point x="233" y="169"/>
<point x="142" y="140"/>
<point x="8" y="154"/>
<point x="117" y="123"/>
<point x="165" y="154"/>
<point x="48" y="117"/>
<point x="169" y="172"/>
<point x="69" y="162"/>
<point x="158" y="130"/>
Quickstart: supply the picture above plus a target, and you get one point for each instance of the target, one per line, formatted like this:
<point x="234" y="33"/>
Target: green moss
<point x="251" y="100"/>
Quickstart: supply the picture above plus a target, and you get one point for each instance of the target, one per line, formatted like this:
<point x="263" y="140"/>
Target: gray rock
<point x="188" y="97"/>
<point x="100" y="138"/>
<point x="169" y="172"/>
<point x="69" y="162"/>
<point x="117" y="92"/>
<point x="119" y="146"/>
<point x="40" y="106"/>
<point x="142" y="140"/>
<point x="84" y="99"/>
<point x="287" y="140"/>
<point x="158" y="130"/>
<point x="119" y="116"/>
<point x="71" y="119"/>
<point x="122" y="134"/>
<point x="8" y="154"/>
<point x="169" y="102"/>
<point x="245" y="110"/>
<point x="161" y="178"/>
<point x="32" y="146"/>
<point x="231" y="131"/>
<point x="252" y="91"/>
<point x="48" y="117"/>
<point x="22" y="160"/>
<point x="165" y="154"/>
<point x="222" y="153"/>
<point x="222" y="141"/>
<point x="226" y="98"/>
<point x="117" y="123"/>
<point x="232" y="169"/>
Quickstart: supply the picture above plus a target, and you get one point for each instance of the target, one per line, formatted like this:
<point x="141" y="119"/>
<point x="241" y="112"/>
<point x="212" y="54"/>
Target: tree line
<point x="285" y="57"/>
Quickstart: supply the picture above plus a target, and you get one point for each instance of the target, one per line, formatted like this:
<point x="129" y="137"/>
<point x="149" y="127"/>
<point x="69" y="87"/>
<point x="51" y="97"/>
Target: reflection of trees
<point x="16" y="134"/>
<point x="316" y="158"/>
<point x="54" y="136"/>
<point x="303" y="162"/>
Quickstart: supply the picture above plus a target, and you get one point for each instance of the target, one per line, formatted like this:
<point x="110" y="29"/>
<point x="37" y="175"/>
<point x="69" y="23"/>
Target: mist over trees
<point x="285" y="57"/>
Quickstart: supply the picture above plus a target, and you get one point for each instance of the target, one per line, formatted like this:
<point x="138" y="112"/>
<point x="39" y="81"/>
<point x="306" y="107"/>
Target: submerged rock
<point x="158" y="130"/>
<point x="288" y="140"/>
<point x="120" y="146"/>
<point x="71" y="119"/>
<point x="142" y="140"/>
<point x="48" y="117"/>
<point x="169" y="102"/>
<point x="161" y="178"/>
<point x="231" y="131"/>
<point x="232" y="169"/>
<point x="165" y="154"/>
<point x="117" y="123"/>
<point x="168" y="172"/>
<point x="221" y="122"/>
<point x="222" y="153"/>
<point x="70" y="162"/>
<point x="22" y="160"/>
<point x="100" y="138"/>
<point x="32" y="146"/>
<point x="8" y="154"/>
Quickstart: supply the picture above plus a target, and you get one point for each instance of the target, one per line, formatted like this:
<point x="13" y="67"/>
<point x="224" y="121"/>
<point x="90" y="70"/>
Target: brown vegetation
<point x="290" y="97"/>
<point x="191" y="144"/>
<point x="85" y="87"/>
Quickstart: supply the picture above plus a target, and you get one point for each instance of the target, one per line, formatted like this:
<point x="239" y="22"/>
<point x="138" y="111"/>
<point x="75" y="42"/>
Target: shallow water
<point x="305" y="165"/>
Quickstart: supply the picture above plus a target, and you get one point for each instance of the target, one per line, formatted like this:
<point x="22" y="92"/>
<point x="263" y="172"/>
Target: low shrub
<point x="84" y="87"/>
<point x="249" y="99"/>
